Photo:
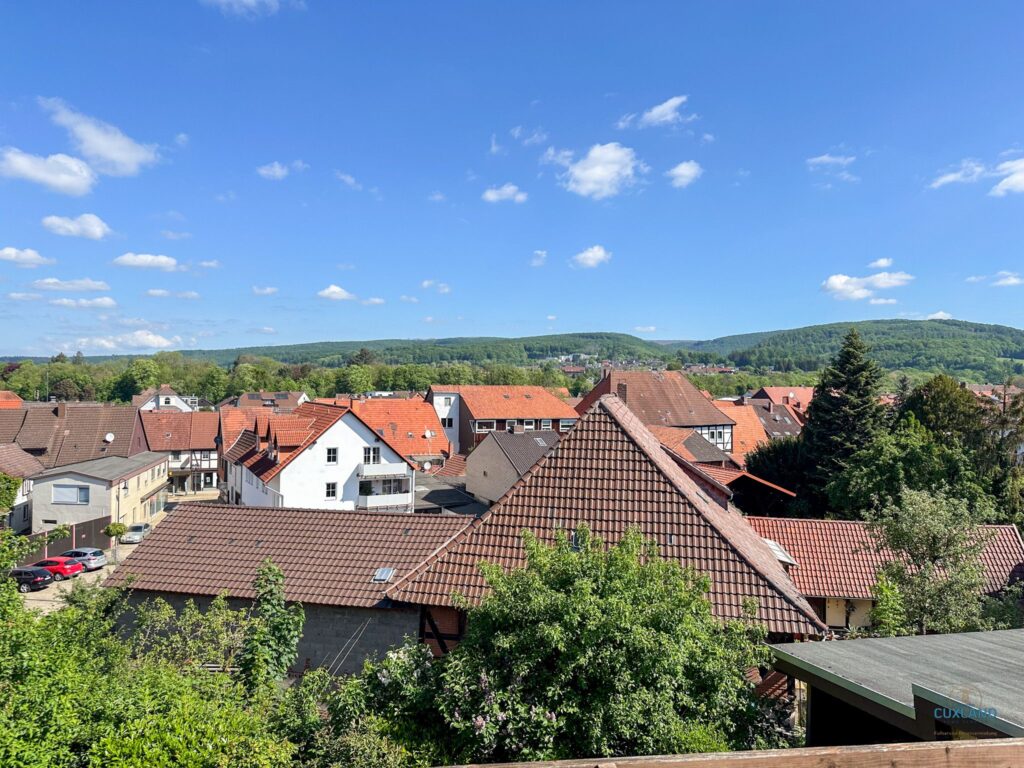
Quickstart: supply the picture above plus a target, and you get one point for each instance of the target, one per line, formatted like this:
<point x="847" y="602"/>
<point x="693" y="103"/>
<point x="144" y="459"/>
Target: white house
<point x="163" y="398"/>
<point x="318" y="457"/>
<point x="16" y="463"/>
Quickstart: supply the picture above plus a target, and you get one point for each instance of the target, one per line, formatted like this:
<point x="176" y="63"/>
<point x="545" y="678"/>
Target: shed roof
<point x="111" y="468"/>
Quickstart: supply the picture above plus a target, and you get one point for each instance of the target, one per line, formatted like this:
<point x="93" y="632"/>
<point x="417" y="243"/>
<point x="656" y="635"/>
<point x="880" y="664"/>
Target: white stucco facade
<point x="446" y="405"/>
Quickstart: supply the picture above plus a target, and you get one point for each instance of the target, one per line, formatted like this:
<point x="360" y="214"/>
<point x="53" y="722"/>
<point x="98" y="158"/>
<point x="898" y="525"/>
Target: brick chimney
<point x="620" y="390"/>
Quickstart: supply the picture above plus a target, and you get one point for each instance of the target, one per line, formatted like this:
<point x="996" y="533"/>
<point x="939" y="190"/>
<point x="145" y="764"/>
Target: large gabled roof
<point x="328" y="557"/>
<point x="168" y="430"/>
<point x="500" y="401"/>
<point x="658" y="398"/>
<point x="67" y="433"/>
<point x="611" y="473"/>
<point x="411" y="425"/>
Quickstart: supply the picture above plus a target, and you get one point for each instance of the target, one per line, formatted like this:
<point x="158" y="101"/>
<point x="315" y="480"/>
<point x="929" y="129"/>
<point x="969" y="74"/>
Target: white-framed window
<point x="371" y="454"/>
<point x="545" y="424"/>
<point x="528" y="425"/>
<point x="332" y="455"/>
<point x="565" y="424"/>
<point x="331" y="491"/>
<point x="70" y="494"/>
<point x="167" y="401"/>
<point x="204" y="455"/>
<point x="391" y="485"/>
<point x="447" y="402"/>
<point x="510" y="425"/>
<point x="485" y="426"/>
<point x="176" y="455"/>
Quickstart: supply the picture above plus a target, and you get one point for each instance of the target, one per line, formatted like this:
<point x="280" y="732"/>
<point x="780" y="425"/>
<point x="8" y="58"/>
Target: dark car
<point x="31" y="578"/>
<point x="61" y="567"/>
<point x="90" y="557"/>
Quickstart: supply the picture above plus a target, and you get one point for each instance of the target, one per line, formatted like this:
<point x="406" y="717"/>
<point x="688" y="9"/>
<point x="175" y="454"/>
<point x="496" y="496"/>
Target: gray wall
<point x="489" y="473"/>
<point x="43" y="507"/>
<point x="326" y="636"/>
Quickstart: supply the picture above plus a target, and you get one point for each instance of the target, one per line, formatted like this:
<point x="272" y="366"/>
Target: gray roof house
<point x="502" y="458"/>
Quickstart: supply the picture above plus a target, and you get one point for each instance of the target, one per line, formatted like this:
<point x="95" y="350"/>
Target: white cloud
<point x="969" y="171"/>
<point x="88" y="225"/>
<point x="427" y="283"/>
<point x="552" y="156"/>
<point x="428" y="319"/>
<point x="666" y="113"/>
<point x="108" y="149"/>
<point x="1005" y="279"/>
<point x="210" y="264"/>
<point x="594" y="256"/>
<point x="443" y="288"/>
<point x="409" y="299"/>
<point x="684" y="174"/>
<point x="495" y="148"/>
<point x="882" y="263"/>
<point x="539" y="258"/>
<point x="148" y="261"/>
<point x="552" y="318"/>
<point x="644" y="329"/>
<point x="606" y="170"/>
<point x="529" y="138"/>
<point x="268" y="290"/>
<point x="877" y="300"/>
<point x="61" y="173"/>
<point x="226" y="197"/>
<point x="436" y="197"/>
<point x="707" y="138"/>
<point x="187" y="295"/>
<point x="976" y="279"/>
<point x="436" y="285"/>
<point x="504" y="192"/>
<point x="181" y="139"/>
<point x="274" y="171"/>
<point x="79" y="284"/>
<point x="940" y="315"/>
<point x="833" y="166"/>
<point x="1012" y="172"/>
<point x="265" y="330"/>
<point x="101" y="302"/>
<point x="24" y="296"/>
<point x="847" y="288"/>
<point x="158" y="293"/>
<point x="335" y="293"/>
<point x="245" y="8"/>
<point x="24" y="257"/>
<point x="373" y="301"/>
<point x="348" y="180"/>
<point x="141" y="339"/>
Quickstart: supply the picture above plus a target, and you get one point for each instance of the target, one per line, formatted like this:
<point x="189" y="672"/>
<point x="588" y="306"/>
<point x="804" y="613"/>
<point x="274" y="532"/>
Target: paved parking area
<point x="49" y="599"/>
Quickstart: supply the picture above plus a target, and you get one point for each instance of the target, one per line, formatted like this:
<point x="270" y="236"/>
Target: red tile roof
<point x="233" y="421"/>
<point x="611" y="473"/>
<point x="658" y="398"/>
<point x="328" y="558"/>
<point x="837" y="558"/>
<point x="748" y="432"/>
<point x="689" y="444"/>
<point x="411" y="426"/>
<point x="180" y="431"/>
<point x="497" y="401"/>
<point x="454" y="466"/>
<point x="728" y="476"/>
<point x="9" y="399"/>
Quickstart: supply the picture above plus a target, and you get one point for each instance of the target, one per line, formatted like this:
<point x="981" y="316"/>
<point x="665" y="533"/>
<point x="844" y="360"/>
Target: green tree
<point x="115" y="531"/>
<point x="8" y="492"/>
<point x="937" y="559"/>
<point x="842" y="419"/>
<point x="363" y="357"/>
<point x="948" y="410"/>
<point x="271" y="640"/>
<point x="889" y="615"/>
<point x="782" y="461"/>
<point x="355" y="380"/>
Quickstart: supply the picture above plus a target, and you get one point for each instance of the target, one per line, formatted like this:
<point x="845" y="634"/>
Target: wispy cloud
<point x="163" y="293"/>
<point x="878" y="300"/>
<point x="136" y="340"/>
<point x="267" y="290"/>
<point x="101" y="302"/>
<point x="539" y="259"/>
<point x="1009" y="172"/>
<point x="1012" y="172"/>
<point x="148" y="261"/>
<point x="409" y="299"/>
<point x="348" y="180"/>
<point x="16" y="296"/>
<point x="833" y="166"/>
<point x="277" y="171"/>
<point x="495" y="148"/>
<point x="940" y="315"/>
<point x="436" y="285"/>
<point x="684" y="174"/>
<point x="644" y="328"/>
<point x="1006" y="279"/>
<point x="847" y="288"/>
<point x="528" y="138"/>
<point x="667" y="113"/>
<point x="88" y="225"/>
<point x="210" y="264"/>
<point x="967" y="172"/>
<point x="249" y="9"/>
<point x="24" y="257"/>
<point x="373" y="301"/>
<point x="171" y="234"/>
<point x="105" y="146"/>
<point x="266" y="330"/>
<point x="436" y="197"/>
<point x="594" y="256"/>
<point x="78" y="284"/>
<point x="60" y="173"/>
<point x="335" y="293"/>
<point x="504" y="193"/>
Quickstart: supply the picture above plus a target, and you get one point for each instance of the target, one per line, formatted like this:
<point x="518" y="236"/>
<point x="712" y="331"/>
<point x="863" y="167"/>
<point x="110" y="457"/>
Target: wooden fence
<point x="985" y="753"/>
<point x="87" y="534"/>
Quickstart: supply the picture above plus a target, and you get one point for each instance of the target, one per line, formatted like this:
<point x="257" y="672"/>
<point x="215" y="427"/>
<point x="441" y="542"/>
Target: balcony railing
<point x="384" y="469"/>
<point x="385" y="500"/>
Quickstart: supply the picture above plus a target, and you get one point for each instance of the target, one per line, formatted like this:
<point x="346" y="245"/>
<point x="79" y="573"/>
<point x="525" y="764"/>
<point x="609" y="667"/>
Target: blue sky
<point x="211" y="173"/>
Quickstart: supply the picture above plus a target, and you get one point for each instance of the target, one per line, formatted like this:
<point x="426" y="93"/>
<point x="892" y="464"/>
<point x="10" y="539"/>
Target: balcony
<point x="378" y="501"/>
<point x="384" y="469"/>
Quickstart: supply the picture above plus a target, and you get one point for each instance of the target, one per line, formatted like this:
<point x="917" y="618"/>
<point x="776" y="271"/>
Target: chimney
<point x="61" y="410"/>
<point x="620" y="390"/>
<point x="606" y="371"/>
<point x="519" y="429"/>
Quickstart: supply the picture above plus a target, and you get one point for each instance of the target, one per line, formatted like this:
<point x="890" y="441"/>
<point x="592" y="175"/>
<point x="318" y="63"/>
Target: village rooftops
<point x="328" y="558"/>
<point x="658" y="398"/>
<point x="66" y="433"/>
<point x="797" y="397"/>
<point x="690" y="445"/>
<point x="180" y="431"/>
<point x="495" y="401"/>
<point x="112" y="469"/>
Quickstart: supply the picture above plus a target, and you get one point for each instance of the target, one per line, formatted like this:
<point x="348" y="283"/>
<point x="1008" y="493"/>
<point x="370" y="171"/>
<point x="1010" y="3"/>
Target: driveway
<point x="49" y="599"/>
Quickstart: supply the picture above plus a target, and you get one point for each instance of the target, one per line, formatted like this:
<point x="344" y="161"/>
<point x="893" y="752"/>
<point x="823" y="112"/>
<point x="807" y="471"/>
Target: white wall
<point x="835" y="613"/>
<point x="448" y="411"/>
<point x="177" y="402"/>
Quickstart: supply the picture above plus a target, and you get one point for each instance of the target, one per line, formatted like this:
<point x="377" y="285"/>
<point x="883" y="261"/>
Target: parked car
<point x="31" y="578"/>
<point x="91" y="558"/>
<point x="60" y="567"/>
<point x="136" y="533"/>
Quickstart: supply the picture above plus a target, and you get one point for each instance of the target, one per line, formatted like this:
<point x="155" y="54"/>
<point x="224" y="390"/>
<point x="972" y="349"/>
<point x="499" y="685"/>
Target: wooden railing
<point x="986" y="753"/>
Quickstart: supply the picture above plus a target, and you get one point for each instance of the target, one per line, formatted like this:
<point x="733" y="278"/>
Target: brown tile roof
<point x="204" y="431"/>
<point x="68" y="433"/>
<point x="837" y="558"/>
<point x="689" y="444"/>
<point x="611" y="473"/>
<point x="748" y="432"/>
<point x="179" y="431"/>
<point x="498" y="401"/>
<point x="9" y="399"/>
<point x="328" y="558"/>
<point x="283" y="401"/>
<point x="10" y="424"/>
<point x="232" y="422"/>
<point x="406" y="424"/>
<point x="798" y="397"/>
<point x="16" y="463"/>
<point x="240" y="449"/>
<point x="658" y="398"/>
<point x="454" y="466"/>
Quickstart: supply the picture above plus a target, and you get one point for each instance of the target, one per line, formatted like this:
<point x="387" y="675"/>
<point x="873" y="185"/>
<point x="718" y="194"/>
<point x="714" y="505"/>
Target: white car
<point x="136" y="533"/>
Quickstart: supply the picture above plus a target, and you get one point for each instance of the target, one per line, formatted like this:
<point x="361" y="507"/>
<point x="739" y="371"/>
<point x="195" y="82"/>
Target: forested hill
<point x="928" y="345"/>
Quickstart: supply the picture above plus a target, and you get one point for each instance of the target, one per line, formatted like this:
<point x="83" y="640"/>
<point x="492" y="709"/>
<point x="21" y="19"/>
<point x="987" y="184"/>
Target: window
<point x="331" y="491"/>
<point x="545" y="423"/>
<point x="448" y="423"/>
<point x="510" y="425"/>
<point x="447" y="402"/>
<point x="565" y="424"/>
<point x="167" y="401"/>
<point x="205" y="455"/>
<point x="332" y="455"/>
<point x="176" y="455"/>
<point x="366" y="488"/>
<point x="528" y="425"/>
<point x="70" y="494"/>
<point x="391" y="485"/>
<point x="371" y="454"/>
<point x="208" y="479"/>
<point x="383" y="575"/>
<point x="485" y="426"/>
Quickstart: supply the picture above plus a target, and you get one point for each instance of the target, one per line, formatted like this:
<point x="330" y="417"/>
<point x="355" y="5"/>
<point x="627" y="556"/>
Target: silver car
<point x="91" y="558"/>
<point x="136" y="533"/>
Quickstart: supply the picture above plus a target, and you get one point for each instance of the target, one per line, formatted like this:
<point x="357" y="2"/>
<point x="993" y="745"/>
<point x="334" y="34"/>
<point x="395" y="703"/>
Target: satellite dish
<point x="426" y="466"/>
<point x="108" y="438"/>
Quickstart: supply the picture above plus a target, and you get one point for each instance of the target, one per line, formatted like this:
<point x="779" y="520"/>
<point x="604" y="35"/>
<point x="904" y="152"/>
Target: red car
<point x="61" y="567"/>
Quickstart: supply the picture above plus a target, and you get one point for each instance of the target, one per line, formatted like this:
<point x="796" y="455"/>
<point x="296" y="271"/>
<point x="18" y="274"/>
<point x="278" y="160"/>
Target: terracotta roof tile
<point x="10" y="424"/>
<point x="232" y="422"/>
<point x="748" y="432"/>
<point x="689" y="444"/>
<point x="328" y="558"/>
<point x="180" y="431"/>
<point x="498" y="401"/>
<point x="837" y="558"/>
<point x="658" y="398"/>
<point x="9" y="399"/>
<point x="17" y="463"/>
<point x="406" y="424"/>
<point x="611" y="473"/>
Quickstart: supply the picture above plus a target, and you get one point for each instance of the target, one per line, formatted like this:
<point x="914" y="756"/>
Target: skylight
<point x="383" y="575"/>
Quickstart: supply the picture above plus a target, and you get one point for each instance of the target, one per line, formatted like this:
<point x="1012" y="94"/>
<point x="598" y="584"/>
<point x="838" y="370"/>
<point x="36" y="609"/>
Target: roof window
<point x="383" y="575"/>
